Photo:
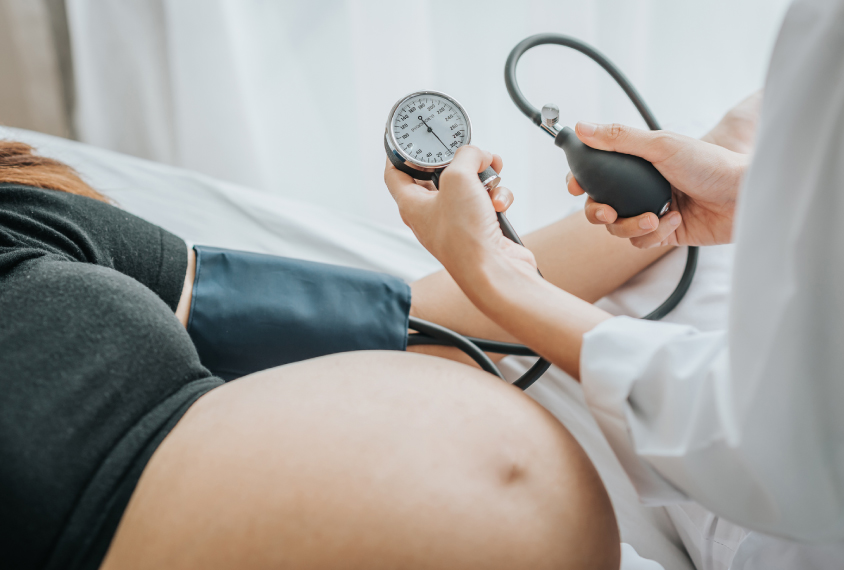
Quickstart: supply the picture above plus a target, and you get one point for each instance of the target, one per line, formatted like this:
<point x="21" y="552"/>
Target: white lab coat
<point x="749" y="422"/>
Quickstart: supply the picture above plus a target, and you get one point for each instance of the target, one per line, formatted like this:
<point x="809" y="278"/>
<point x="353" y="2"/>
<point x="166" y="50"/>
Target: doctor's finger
<point x="502" y="198"/>
<point x="573" y="186"/>
<point x="497" y="163"/>
<point x="395" y="179"/>
<point x="653" y="146"/>
<point x="403" y="188"/>
<point x="634" y="227"/>
<point x="599" y="214"/>
<point x="663" y="234"/>
<point x="468" y="159"/>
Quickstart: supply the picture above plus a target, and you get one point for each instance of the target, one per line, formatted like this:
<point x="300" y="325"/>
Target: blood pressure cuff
<point x="252" y="311"/>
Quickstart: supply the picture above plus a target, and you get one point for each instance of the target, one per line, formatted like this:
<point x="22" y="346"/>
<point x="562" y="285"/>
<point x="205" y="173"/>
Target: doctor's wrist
<point x="496" y="274"/>
<point x="551" y="321"/>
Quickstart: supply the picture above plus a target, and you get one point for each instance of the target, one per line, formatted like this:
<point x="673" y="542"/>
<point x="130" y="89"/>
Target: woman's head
<point x="20" y="165"/>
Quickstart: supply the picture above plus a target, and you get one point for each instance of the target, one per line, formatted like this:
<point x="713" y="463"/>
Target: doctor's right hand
<point x="705" y="181"/>
<point x="457" y="224"/>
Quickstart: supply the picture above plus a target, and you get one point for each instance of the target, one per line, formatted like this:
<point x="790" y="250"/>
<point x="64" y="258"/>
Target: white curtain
<point x="291" y="97"/>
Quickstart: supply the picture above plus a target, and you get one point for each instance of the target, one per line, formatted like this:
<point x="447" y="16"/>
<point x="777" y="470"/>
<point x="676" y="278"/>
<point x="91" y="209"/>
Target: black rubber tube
<point x="525" y="380"/>
<point x="456" y="340"/>
<point x="476" y="348"/>
<point x="535" y="114"/>
<point x="493" y="346"/>
<point x="533" y="374"/>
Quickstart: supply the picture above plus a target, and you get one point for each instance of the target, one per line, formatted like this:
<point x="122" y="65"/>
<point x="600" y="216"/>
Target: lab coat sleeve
<point x="643" y="382"/>
<point x="750" y="422"/>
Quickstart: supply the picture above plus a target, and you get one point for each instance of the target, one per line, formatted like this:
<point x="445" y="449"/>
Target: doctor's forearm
<point x="580" y="258"/>
<point x="547" y="319"/>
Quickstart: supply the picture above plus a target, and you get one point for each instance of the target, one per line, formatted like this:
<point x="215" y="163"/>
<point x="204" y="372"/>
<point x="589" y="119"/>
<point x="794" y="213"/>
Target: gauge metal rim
<point x="391" y="136"/>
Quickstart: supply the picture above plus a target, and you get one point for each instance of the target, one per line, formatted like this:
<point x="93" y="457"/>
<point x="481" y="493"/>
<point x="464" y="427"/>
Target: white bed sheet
<point x="207" y="211"/>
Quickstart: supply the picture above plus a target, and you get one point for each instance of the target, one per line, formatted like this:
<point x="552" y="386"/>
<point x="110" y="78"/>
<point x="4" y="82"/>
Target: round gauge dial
<point x="427" y="127"/>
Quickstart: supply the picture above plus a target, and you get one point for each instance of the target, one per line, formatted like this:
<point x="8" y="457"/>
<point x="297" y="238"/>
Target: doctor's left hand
<point x="458" y="222"/>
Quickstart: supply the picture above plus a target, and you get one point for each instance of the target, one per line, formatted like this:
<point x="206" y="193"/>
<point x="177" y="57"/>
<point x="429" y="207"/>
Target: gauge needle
<point x="430" y="130"/>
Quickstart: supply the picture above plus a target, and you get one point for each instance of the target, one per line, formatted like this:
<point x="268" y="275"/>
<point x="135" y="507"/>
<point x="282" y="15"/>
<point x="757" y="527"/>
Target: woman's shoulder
<point x="38" y="222"/>
<point x="54" y="222"/>
<point x="35" y="210"/>
<point x="23" y="197"/>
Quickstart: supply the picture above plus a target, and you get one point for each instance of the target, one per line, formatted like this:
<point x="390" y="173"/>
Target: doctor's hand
<point x="457" y="224"/>
<point x="705" y="181"/>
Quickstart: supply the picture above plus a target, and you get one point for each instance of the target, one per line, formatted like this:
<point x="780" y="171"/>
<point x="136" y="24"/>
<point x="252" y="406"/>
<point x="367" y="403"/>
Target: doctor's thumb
<point x="650" y="145"/>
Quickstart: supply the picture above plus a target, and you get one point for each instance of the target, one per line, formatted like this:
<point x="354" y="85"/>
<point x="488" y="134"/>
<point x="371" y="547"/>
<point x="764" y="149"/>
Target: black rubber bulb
<point x="631" y="185"/>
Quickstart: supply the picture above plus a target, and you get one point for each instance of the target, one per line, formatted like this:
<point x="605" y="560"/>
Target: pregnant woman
<point x="120" y="449"/>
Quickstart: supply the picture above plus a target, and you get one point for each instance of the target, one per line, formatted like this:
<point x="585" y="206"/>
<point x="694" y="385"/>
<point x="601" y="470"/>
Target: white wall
<point x="291" y="97"/>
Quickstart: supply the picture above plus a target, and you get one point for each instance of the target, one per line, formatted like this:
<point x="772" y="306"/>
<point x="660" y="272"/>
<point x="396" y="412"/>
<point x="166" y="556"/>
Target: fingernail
<point x="568" y="178"/>
<point x="674" y="219"/>
<point x="645" y="223"/>
<point x="600" y="215"/>
<point x="587" y="129"/>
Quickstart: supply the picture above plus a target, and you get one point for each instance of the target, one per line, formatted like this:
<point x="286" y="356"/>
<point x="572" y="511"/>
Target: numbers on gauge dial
<point x="429" y="129"/>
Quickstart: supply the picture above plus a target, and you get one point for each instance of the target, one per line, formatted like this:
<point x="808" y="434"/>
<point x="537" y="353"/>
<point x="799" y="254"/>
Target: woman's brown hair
<point x="20" y="165"/>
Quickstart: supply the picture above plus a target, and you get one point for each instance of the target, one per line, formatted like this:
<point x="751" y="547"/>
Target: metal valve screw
<point x="550" y="114"/>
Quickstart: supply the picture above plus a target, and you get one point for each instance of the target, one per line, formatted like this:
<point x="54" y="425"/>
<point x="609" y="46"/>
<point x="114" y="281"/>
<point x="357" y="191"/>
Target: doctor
<point x="748" y="422"/>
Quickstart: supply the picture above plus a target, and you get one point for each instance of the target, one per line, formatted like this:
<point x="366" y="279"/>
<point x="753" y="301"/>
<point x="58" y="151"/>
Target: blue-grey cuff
<point x="253" y="311"/>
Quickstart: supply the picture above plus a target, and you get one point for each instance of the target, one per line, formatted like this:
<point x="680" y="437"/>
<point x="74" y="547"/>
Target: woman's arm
<point x="183" y="309"/>
<point x="736" y="130"/>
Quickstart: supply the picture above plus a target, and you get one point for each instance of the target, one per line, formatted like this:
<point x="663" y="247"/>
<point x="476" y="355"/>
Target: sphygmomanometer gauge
<point x="424" y="130"/>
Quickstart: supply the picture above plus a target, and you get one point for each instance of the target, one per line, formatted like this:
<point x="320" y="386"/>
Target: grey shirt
<point x="95" y="369"/>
